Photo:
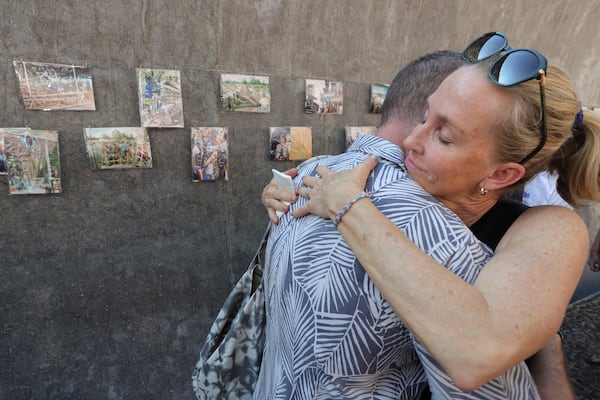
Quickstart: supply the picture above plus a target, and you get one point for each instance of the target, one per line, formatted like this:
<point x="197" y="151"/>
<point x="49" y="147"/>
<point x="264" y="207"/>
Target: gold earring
<point x="482" y="191"/>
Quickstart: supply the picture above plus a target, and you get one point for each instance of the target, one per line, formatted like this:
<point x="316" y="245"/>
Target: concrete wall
<point x="107" y="290"/>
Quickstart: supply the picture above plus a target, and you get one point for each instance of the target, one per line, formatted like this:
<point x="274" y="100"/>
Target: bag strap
<point x="258" y="262"/>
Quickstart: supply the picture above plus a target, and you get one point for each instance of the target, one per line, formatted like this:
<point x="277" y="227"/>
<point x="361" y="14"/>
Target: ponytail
<point x="577" y="162"/>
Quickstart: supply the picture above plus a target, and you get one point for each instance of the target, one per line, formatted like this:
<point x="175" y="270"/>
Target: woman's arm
<point x="475" y="332"/>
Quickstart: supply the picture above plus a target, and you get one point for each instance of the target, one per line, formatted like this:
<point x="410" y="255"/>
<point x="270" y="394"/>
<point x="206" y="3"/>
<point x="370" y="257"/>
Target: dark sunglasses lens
<point x="485" y="47"/>
<point x="515" y="67"/>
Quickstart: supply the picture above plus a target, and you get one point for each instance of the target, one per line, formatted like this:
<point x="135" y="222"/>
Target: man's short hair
<point x="407" y="95"/>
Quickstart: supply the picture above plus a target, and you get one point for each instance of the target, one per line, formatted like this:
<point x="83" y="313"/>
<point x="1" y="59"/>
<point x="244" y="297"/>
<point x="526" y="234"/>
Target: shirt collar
<point x="380" y="147"/>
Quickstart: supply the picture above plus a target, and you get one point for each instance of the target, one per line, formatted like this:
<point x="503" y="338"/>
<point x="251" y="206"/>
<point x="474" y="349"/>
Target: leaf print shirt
<point x="330" y="333"/>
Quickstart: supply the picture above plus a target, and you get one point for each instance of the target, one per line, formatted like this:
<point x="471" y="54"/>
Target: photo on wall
<point x="2" y="155"/>
<point x="352" y="132"/>
<point x="49" y="87"/>
<point x="323" y="97"/>
<point x="210" y="154"/>
<point x="115" y="148"/>
<point x="159" y="96"/>
<point x="378" y="93"/>
<point x="245" y="93"/>
<point x="290" y="143"/>
<point x="32" y="161"/>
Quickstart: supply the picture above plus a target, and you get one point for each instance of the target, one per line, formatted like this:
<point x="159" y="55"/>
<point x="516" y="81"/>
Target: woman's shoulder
<point x="551" y="212"/>
<point x="549" y="226"/>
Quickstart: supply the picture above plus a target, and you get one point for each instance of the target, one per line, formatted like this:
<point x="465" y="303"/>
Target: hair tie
<point x="578" y="120"/>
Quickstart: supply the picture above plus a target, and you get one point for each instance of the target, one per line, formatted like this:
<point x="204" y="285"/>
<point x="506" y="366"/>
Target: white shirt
<point x="541" y="190"/>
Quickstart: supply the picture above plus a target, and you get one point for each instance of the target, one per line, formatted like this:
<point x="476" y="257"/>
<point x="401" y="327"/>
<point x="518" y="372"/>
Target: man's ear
<point x="503" y="176"/>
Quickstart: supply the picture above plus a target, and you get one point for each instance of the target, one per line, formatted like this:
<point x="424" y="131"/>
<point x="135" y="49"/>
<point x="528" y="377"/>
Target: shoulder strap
<point x="258" y="262"/>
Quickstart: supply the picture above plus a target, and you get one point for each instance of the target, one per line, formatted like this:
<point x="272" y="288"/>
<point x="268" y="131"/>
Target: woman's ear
<point x="503" y="176"/>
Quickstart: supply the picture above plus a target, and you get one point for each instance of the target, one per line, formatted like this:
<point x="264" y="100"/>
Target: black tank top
<point x="493" y="224"/>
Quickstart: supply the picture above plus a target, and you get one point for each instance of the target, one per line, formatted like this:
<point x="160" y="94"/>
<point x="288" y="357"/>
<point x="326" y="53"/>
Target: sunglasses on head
<point x="514" y="66"/>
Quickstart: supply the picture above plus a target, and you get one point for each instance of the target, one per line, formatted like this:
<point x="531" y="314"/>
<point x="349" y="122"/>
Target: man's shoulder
<point x="424" y="219"/>
<point x="400" y="187"/>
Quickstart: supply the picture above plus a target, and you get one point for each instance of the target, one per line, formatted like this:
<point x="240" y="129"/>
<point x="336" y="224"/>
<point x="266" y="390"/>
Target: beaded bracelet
<point x="349" y="204"/>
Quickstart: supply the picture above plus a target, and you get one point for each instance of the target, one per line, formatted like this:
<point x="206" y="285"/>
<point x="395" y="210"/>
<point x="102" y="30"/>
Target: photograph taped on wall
<point x="323" y="97"/>
<point x="115" y="148"/>
<point x="49" y="87"/>
<point x="210" y="154"/>
<point x="290" y="143"/>
<point x="245" y="93"/>
<point x="2" y="155"/>
<point x="159" y="96"/>
<point x="32" y="161"/>
<point x="352" y="132"/>
<point x="378" y="93"/>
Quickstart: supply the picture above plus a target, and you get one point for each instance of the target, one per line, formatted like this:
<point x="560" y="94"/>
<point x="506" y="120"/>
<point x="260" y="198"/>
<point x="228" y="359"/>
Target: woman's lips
<point x="410" y="164"/>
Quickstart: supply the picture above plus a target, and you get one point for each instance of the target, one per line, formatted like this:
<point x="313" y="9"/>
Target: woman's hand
<point x="329" y="194"/>
<point x="273" y="198"/>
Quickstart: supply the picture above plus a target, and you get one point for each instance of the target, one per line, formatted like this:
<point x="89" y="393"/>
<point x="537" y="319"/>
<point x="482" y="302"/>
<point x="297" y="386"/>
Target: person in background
<point x="282" y="151"/>
<point x="541" y="190"/>
<point x="594" y="258"/>
<point x="594" y="264"/>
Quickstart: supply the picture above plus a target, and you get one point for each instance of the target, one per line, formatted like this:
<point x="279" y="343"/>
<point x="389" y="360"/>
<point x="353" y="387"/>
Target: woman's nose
<point x="413" y="141"/>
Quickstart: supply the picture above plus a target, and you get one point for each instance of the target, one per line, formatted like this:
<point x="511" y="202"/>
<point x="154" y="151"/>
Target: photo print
<point x="55" y="86"/>
<point x="159" y="95"/>
<point x="245" y="93"/>
<point x="210" y="154"/>
<point x="378" y="93"/>
<point x="352" y="132"/>
<point x="115" y="148"/>
<point x="2" y="154"/>
<point x="290" y="143"/>
<point x="324" y="97"/>
<point x="32" y="161"/>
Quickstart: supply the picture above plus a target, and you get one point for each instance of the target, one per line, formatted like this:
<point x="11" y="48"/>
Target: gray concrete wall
<point x="107" y="290"/>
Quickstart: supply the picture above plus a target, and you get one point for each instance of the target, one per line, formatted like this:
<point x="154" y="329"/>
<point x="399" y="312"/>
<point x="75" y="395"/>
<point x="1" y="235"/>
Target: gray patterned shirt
<point x="330" y="333"/>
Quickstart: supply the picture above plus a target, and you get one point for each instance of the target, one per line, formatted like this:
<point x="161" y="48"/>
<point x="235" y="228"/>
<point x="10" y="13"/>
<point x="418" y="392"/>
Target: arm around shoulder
<point x="514" y="308"/>
<point x="529" y="283"/>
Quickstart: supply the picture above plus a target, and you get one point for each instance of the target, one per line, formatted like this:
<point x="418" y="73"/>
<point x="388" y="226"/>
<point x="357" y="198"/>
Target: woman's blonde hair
<point x="572" y="147"/>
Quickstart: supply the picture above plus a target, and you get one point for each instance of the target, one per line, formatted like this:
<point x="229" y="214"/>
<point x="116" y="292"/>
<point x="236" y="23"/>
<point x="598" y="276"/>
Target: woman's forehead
<point x="469" y="87"/>
<point x="464" y="82"/>
<point x="469" y="101"/>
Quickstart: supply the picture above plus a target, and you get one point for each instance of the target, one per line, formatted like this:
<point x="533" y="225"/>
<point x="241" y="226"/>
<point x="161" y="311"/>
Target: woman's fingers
<point x="330" y="192"/>
<point x="309" y="182"/>
<point x="276" y="200"/>
<point x="301" y="211"/>
<point x="333" y="189"/>
<point x="323" y="171"/>
<point x="293" y="172"/>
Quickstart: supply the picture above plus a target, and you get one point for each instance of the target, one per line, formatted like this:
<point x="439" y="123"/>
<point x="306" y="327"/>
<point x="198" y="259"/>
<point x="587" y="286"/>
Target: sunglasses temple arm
<point x="543" y="132"/>
<point x="543" y="104"/>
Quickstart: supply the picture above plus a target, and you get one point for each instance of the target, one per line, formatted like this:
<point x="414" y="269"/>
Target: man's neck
<point x="395" y="131"/>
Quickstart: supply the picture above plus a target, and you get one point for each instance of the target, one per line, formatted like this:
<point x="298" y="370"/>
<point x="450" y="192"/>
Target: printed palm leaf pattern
<point x="330" y="334"/>
<point x="325" y="267"/>
<point x="297" y="332"/>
